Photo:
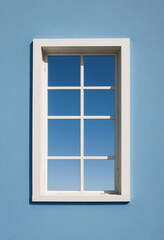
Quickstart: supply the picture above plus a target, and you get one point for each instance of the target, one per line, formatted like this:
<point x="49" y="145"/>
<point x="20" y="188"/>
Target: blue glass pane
<point x="63" y="175"/>
<point x="63" y="71"/>
<point x="99" y="175"/>
<point x="99" y="70"/>
<point x="99" y="137"/>
<point x="63" y="102"/>
<point x="99" y="102"/>
<point x="63" y="137"/>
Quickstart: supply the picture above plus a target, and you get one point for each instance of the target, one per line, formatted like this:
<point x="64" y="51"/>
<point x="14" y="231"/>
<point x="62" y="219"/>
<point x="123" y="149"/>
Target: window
<point x="81" y="120"/>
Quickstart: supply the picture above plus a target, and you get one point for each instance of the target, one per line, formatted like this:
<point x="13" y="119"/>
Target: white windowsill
<point x="82" y="198"/>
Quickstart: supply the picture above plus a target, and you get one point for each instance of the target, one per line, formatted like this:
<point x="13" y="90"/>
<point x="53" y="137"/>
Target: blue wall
<point x="142" y="21"/>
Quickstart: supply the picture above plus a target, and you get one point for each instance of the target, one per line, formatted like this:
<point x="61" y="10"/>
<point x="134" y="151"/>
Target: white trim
<point x="85" y="88"/>
<point x="105" y="197"/>
<point x="125" y="119"/>
<point x="117" y="47"/>
<point x="79" y="157"/>
<point x="100" y="88"/>
<point x="81" y="117"/>
<point x="82" y="124"/>
<point x="45" y="123"/>
<point x="64" y="88"/>
<point x="80" y="193"/>
<point x="38" y="122"/>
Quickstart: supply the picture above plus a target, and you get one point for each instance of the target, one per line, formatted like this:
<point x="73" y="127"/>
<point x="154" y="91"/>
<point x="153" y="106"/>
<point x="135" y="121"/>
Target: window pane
<point x="99" y="137"/>
<point x="63" y="71"/>
<point x="99" y="102"/>
<point x="99" y="70"/>
<point x="99" y="175"/>
<point x="63" y="102"/>
<point x="63" y="137"/>
<point x="63" y="175"/>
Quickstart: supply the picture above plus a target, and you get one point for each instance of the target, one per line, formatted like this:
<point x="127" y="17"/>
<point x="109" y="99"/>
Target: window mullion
<point x="82" y="123"/>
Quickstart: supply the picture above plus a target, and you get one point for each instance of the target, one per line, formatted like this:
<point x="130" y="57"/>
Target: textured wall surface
<point x="141" y="21"/>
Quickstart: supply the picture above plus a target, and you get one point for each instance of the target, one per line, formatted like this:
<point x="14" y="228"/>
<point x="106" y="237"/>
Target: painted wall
<point x="142" y="21"/>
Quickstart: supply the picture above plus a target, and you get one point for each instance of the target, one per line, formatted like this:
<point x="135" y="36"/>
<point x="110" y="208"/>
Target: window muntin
<point x="72" y="47"/>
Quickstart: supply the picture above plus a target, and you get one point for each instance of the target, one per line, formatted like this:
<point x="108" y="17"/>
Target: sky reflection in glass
<point x="99" y="70"/>
<point x="63" y="137"/>
<point x="63" y="71"/>
<point x="63" y="175"/>
<point x="99" y="102"/>
<point x="63" y="102"/>
<point x="98" y="175"/>
<point x="99" y="137"/>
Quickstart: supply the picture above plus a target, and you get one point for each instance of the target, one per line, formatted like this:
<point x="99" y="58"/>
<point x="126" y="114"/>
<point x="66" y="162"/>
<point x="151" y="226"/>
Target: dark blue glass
<point x="63" y="137"/>
<point x="99" y="175"/>
<point x="99" y="102"/>
<point x="63" y="70"/>
<point x="99" y="137"/>
<point x="63" y="175"/>
<point x="63" y="102"/>
<point x="99" y="70"/>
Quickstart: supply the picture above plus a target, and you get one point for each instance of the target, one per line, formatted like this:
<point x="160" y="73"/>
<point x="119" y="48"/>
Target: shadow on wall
<point x="30" y="123"/>
<point x="30" y="150"/>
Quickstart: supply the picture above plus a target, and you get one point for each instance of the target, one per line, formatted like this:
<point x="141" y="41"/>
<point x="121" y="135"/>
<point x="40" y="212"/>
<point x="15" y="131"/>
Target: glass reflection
<point x="63" y="102"/>
<point x="99" y="175"/>
<point x="99" y="102"/>
<point x="63" y="70"/>
<point x="99" y="137"/>
<point x="63" y="175"/>
<point x="63" y="137"/>
<point x="99" y="70"/>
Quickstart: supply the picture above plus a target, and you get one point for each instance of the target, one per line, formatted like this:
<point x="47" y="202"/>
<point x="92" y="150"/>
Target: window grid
<point x="82" y="123"/>
<point x="82" y="117"/>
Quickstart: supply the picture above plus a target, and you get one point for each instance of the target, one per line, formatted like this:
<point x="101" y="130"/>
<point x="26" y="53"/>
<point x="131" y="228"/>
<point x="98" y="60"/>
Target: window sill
<point x="82" y="198"/>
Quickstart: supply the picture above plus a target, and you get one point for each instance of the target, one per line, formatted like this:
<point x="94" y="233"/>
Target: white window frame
<point x="120" y="48"/>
